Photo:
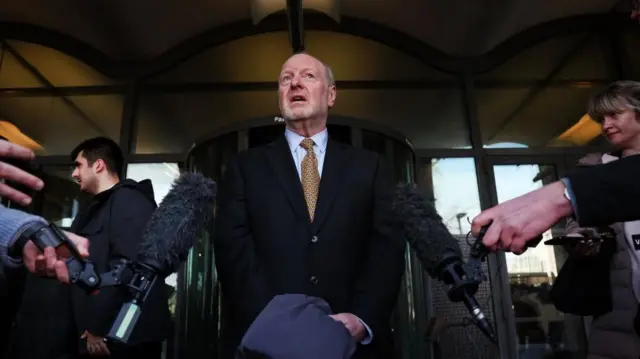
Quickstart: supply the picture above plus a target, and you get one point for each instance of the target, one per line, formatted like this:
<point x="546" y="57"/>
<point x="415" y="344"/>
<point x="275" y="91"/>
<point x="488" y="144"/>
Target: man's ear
<point x="331" y="100"/>
<point x="99" y="165"/>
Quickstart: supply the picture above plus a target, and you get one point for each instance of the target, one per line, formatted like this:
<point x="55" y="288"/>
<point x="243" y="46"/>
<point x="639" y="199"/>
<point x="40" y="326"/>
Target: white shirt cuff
<point x="367" y="338"/>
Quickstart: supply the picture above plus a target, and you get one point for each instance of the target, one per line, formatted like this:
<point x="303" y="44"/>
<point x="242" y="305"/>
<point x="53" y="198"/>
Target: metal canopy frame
<point x="134" y="73"/>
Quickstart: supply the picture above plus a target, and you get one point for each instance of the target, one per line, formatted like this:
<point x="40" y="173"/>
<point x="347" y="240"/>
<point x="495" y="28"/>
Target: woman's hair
<point x="616" y="98"/>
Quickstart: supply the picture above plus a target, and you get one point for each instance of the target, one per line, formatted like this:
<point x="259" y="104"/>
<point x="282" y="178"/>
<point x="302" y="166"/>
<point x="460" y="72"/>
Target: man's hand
<point x="523" y="218"/>
<point x="353" y="324"/>
<point x="582" y="246"/>
<point x="96" y="346"/>
<point x="14" y="174"/>
<point x="51" y="262"/>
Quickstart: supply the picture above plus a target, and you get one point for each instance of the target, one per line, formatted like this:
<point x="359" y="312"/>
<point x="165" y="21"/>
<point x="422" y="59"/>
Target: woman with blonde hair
<point x="614" y="331"/>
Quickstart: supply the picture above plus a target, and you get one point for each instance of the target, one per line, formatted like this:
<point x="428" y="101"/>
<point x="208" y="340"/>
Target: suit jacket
<point x="607" y="193"/>
<point x="296" y="326"/>
<point x="352" y="255"/>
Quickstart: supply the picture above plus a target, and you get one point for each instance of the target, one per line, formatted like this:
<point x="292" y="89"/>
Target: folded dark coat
<point x="296" y="326"/>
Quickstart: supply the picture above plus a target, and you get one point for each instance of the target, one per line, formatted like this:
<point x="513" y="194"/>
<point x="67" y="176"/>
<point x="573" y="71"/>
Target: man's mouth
<point x="297" y="99"/>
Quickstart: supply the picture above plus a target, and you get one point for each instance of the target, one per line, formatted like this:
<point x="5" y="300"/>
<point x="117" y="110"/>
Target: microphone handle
<point x="142" y="281"/>
<point x="81" y="272"/>
<point x="479" y="251"/>
<point x="478" y="317"/>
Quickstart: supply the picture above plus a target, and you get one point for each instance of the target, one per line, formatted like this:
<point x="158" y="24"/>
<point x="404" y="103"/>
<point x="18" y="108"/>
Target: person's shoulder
<point x="363" y="155"/>
<point x="132" y="193"/>
<point x="254" y="153"/>
<point x="591" y="159"/>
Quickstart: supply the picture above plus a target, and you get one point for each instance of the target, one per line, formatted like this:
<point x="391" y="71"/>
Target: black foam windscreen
<point x="175" y="225"/>
<point x="424" y="230"/>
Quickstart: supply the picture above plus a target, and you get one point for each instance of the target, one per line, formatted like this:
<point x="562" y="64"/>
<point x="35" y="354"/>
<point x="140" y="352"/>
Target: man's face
<point x="85" y="175"/>
<point x="622" y="129"/>
<point x="303" y="89"/>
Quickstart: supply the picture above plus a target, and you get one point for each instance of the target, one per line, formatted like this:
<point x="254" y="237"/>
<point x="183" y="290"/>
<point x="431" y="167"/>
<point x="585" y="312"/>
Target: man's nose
<point x="295" y="81"/>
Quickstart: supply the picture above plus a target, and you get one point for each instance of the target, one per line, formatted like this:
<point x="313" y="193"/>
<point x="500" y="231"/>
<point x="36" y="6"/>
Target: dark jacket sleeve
<point x="378" y="285"/>
<point x="241" y="277"/>
<point x="130" y="211"/>
<point x="607" y="193"/>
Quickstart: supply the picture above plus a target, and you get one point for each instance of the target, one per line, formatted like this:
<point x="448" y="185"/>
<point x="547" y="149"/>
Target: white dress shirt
<point x="320" y="140"/>
<point x="320" y="148"/>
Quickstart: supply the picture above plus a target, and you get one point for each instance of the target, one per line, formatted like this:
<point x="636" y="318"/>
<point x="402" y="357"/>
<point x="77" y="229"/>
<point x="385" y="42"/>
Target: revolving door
<point x="198" y="309"/>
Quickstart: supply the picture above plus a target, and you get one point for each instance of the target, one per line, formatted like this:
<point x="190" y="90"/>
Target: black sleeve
<point x="378" y="285"/>
<point x="607" y="193"/>
<point x="241" y="276"/>
<point x="129" y="213"/>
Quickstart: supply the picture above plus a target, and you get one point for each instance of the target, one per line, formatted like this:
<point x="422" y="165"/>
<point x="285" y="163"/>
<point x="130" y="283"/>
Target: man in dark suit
<point x="309" y="215"/>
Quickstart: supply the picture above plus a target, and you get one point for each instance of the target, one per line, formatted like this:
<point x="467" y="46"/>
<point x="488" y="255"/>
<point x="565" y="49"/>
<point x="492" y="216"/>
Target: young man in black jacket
<point x="113" y="221"/>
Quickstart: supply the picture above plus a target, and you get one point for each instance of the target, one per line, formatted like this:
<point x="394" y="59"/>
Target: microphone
<point x="169" y="235"/>
<point x="17" y="228"/>
<point x="439" y="252"/>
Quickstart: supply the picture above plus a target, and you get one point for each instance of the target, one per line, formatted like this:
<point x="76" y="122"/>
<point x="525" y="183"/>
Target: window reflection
<point x="201" y="301"/>
<point x="161" y="175"/>
<point x="455" y="189"/>
<point x="452" y="182"/>
<point x="541" y="329"/>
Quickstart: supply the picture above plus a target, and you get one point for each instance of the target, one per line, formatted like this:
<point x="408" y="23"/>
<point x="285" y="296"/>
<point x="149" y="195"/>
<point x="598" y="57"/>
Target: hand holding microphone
<point x="52" y="261"/>
<point x="29" y="240"/>
<point x="170" y="234"/>
<point x="513" y="223"/>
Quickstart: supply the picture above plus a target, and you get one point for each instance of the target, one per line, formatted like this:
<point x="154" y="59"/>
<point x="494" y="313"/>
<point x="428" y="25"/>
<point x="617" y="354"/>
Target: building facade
<point x="472" y="130"/>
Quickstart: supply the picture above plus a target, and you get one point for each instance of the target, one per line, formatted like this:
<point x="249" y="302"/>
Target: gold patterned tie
<point x="310" y="176"/>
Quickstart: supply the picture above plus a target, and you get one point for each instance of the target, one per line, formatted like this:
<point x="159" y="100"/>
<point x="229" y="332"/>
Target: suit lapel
<point x="336" y="165"/>
<point x="282" y="163"/>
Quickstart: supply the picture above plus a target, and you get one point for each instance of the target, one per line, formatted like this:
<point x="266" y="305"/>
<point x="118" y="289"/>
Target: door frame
<point x="498" y="274"/>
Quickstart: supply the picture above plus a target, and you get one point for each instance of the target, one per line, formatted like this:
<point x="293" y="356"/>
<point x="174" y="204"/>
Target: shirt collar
<point x="606" y="158"/>
<point x="320" y="139"/>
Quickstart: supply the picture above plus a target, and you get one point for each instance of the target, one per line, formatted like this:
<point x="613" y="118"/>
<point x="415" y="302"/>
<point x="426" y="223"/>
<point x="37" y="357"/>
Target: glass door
<point x="534" y="327"/>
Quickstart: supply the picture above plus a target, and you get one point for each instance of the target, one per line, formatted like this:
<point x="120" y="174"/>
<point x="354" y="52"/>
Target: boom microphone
<point x="174" y="226"/>
<point x="438" y="251"/>
<point x="169" y="235"/>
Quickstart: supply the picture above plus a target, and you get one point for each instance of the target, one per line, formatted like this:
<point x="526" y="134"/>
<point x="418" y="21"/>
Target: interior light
<point x="582" y="132"/>
<point x="13" y="134"/>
